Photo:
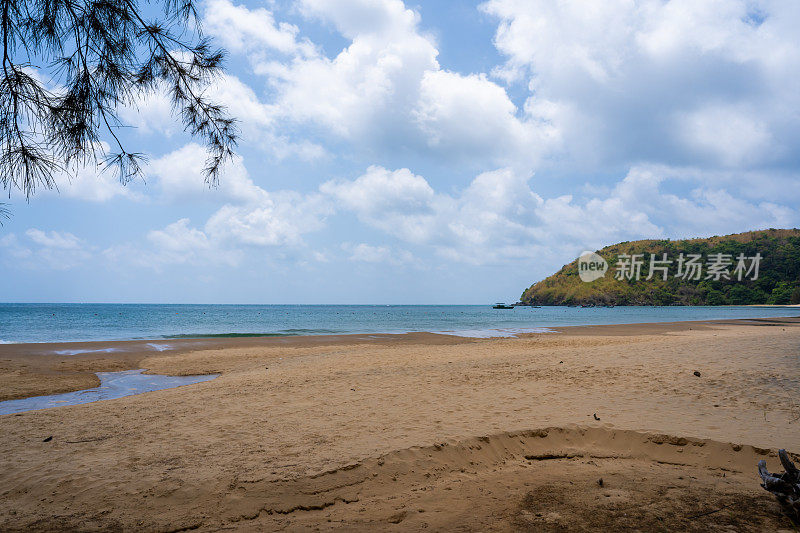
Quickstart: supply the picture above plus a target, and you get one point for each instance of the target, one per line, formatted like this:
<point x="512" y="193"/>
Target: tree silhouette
<point x="69" y="65"/>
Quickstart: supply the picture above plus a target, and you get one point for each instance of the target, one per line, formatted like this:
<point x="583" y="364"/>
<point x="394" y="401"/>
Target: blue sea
<point x="20" y="322"/>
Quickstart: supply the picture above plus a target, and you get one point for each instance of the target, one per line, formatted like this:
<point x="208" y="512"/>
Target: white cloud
<point x="54" y="239"/>
<point x="253" y="219"/>
<point x="384" y="91"/>
<point x="612" y="83"/>
<point x="279" y="219"/>
<point x="94" y="185"/>
<point x="499" y="218"/>
<point x="366" y="253"/>
<point x="398" y="202"/>
<point x="151" y="113"/>
<point x="178" y="237"/>
<point x="176" y="243"/>
<point x="706" y="210"/>
<point x="470" y="115"/>
<point x="679" y="82"/>
<point x="353" y="18"/>
<point x="490" y="218"/>
<point x="45" y="249"/>
<point x="240" y="29"/>
<point x="734" y="136"/>
<point x="179" y="176"/>
<point x="10" y="243"/>
<point x="241" y="102"/>
<point x="379" y="191"/>
<point x="703" y="88"/>
<point x="372" y="83"/>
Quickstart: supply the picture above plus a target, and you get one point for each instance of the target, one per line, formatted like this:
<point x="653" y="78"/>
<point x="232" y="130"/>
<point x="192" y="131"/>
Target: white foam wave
<point x="80" y="351"/>
<point x="495" y="333"/>
<point x="159" y="347"/>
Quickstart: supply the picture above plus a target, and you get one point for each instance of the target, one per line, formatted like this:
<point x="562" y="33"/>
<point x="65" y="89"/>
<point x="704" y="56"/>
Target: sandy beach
<point x="381" y="265"/>
<point x="587" y="428"/>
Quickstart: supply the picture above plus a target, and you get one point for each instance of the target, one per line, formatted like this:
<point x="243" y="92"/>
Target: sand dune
<point x="552" y="479"/>
<point x="539" y="479"/>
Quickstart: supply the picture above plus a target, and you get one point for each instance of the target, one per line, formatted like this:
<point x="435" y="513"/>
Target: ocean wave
<point x="494" y="333"/>
<point x="303" y="331"/>
<point x="159" y="347"/>
<point x="77" y="351"/>
<point x="282" y="333"/>
<point x="220" y="335"/>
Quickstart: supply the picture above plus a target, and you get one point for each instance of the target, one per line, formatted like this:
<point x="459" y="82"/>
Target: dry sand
<point x="417" y="432"/>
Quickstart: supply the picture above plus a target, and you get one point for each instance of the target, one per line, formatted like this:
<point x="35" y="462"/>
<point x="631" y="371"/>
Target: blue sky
<point x="437" y="152"/>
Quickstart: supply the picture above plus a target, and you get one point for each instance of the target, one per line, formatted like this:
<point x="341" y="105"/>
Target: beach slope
<point x="500" y="434"/>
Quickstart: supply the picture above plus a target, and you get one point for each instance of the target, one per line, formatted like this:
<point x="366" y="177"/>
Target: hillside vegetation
<point x="778" y="279"/>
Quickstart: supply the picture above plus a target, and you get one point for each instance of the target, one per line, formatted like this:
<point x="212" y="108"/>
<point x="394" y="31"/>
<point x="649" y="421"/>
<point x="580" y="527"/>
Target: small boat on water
<point x="501" y="305"/>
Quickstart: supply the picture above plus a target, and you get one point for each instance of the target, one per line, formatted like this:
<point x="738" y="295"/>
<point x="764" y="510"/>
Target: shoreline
<point x="160" y="327"/>
<point x="37" y="369"/>
<point x="219" y="341"/>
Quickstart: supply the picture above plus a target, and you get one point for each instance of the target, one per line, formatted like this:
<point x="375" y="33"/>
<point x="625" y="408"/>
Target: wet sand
<point x="36" y="369"/>
<point x="416" y="432"/>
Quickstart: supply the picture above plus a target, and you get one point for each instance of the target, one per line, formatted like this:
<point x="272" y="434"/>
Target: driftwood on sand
<point x="786" y="486"/>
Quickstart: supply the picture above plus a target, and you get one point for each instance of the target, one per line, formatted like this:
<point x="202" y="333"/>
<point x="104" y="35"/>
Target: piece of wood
<point x="786" y="486"/>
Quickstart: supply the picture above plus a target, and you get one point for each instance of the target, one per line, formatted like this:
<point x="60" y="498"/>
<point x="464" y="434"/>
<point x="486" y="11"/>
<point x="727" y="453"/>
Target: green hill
<point x="778" y="280"/>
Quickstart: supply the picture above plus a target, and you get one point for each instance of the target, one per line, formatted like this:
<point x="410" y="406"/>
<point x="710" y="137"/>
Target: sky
<point x="432" y="153"/>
